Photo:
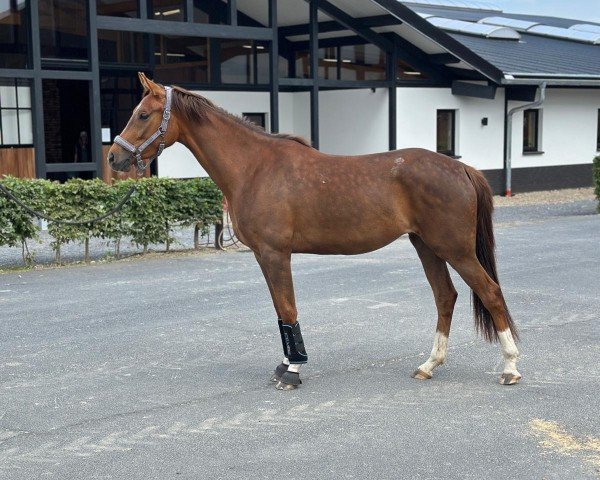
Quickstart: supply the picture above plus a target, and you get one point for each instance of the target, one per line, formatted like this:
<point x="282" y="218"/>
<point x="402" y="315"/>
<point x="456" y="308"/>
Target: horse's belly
<point x="341" y="240"/>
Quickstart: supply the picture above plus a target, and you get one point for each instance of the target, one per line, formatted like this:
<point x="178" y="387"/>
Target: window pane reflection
<point x="63" y="29"/>
<point x="181" y="59"/>
<point x="14" y="45"/>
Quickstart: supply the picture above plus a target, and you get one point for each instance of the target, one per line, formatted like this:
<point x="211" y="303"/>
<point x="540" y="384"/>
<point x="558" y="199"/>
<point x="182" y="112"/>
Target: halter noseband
<point x="162" y="129"/>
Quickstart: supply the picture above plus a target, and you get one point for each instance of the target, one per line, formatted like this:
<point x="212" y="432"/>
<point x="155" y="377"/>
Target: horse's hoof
<point x="510" y="378"/>
<point x="285" y="386"/>
<point x="289" y="381"/>
<point x="279" y="371"/>
<point x="419" y="374"/>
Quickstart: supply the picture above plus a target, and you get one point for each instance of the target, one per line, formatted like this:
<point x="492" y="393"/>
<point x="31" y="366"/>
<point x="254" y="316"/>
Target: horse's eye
<point x="144" y="116"/>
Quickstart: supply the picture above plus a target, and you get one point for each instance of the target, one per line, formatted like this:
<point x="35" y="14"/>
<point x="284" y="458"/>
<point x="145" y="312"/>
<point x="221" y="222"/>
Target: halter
<point x="162" y="129"/>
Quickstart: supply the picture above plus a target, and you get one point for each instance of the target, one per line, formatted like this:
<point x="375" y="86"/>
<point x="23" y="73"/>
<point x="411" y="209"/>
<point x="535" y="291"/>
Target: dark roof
<point x="532" y="54"/>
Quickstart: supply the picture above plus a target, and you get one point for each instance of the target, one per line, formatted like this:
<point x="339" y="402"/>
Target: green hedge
<point x="597" y="179"/>
<point x="149" y="216"/>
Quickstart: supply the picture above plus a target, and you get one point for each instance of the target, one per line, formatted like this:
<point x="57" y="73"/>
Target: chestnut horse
<point x="286" y="197"/>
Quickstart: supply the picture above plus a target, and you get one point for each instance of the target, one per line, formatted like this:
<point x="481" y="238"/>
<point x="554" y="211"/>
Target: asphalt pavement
<point x="158" y="368"/>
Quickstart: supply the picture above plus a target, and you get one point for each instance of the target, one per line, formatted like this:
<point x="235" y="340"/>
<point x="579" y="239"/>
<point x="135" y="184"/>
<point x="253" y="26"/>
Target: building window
<point x="14" y="43"/>
<point x="259" y="119"/>
<point x="63" y="33"/>
<point x="181" y="59"/>
<point x="244" y="62"/>
<point x="16" y="124"/>
<point x="361" y="62"/>
<point x="531" y="131"/>
<point x="446" y="132"/>
<point x="119" y="48"/>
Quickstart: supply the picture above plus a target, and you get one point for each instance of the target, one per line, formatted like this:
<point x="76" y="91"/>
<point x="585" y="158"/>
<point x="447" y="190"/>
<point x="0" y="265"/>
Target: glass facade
<point x="121" y="48"/>
<point x="362" y="62"/>
<point x="63" y="32"/>
<point x="14" y="32"/>
<point x="244" y="62"/>
<point x="181" y="59"/>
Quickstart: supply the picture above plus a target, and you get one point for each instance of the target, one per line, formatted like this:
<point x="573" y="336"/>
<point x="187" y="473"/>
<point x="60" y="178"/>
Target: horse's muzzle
<point x="119" y="165"/>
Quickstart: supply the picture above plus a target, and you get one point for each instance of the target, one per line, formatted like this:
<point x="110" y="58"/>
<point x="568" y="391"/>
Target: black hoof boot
<point x="279" y="371"/>
<point x="289" y="381"/>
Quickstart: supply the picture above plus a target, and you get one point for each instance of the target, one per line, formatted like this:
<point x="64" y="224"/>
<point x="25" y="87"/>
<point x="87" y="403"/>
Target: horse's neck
<point x="228" y="151"/>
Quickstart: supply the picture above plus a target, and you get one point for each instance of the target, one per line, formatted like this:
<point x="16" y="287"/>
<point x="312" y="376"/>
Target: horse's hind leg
<point x="445" y="295"/>
<point x="490" y="294"/>
<point x="278" y="273"/>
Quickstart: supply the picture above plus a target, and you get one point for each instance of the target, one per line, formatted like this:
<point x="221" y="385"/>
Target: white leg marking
<point x="438" y="353"/>
<point x="285" y="361"/>
<point x="294" y="368"/>
<point x="509" y="352"/>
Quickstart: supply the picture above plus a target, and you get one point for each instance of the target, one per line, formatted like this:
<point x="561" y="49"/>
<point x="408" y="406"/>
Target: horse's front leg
<point x="276" y="268"/>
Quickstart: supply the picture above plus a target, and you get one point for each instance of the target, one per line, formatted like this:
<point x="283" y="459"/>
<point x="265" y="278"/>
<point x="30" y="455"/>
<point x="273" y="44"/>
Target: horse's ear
<point x="149" y="86"/>
<point x="144" y="81"/>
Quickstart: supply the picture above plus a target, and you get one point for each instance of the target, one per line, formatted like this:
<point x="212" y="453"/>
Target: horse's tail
<point x="485" y="248"/>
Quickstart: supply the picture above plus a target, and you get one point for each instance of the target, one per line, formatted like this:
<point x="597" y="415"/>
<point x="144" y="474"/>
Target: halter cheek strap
<point x="162" y="129"/>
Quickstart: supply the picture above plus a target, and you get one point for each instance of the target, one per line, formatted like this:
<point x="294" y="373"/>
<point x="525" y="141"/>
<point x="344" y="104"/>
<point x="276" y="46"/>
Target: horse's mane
<point x="194" y="108"/>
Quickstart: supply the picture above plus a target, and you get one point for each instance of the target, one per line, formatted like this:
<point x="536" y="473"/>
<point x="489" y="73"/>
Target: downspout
<point x="509" y="122"/>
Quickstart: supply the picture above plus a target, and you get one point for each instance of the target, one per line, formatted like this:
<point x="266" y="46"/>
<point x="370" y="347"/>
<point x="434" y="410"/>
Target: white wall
<point x="479" y="146"/>
<point x="569" y="129"/>
<point x="353" y="122"/>
<point x="178" y="162"/>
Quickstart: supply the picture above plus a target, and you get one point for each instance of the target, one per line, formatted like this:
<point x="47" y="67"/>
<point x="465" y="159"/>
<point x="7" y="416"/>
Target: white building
<point x="354" y="76"/>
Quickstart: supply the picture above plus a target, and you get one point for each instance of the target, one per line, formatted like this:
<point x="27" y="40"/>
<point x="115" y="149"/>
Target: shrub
<point x="148" y="217"/>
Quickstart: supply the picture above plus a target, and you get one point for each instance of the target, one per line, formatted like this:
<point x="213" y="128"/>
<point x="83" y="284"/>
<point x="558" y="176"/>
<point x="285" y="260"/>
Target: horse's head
<point x="146" y="134"/>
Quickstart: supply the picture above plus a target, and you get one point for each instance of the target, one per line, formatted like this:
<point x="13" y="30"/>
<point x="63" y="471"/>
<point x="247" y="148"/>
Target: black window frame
<point x="452" y="151"/>
<point x="535" y="148"/>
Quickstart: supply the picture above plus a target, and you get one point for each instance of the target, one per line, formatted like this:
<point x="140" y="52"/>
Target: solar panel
<point x="477" y="29"/>
<point x="461" y="4"/>
<point x="565" y="34"/>
<point x="519" y="25"/>
<point x="586" y="27"/>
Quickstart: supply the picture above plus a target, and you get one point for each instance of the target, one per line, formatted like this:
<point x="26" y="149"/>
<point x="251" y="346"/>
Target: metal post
<point x="392" y="61"/>
<point x="189" y="11"/>
<point x="273" y="67"/>
<point x="95" y="104"/>
<point x="39" y="141"/>
<point x="314" y="72"/>
<point x="232" y="12"/>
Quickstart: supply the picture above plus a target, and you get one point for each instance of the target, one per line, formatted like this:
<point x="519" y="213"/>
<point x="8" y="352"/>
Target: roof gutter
<point x="553" y="81"/>
<point x="509" y="123"/>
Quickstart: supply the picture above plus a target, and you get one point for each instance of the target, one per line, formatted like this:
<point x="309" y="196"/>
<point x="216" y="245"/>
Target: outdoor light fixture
<point x="484" y="121"/>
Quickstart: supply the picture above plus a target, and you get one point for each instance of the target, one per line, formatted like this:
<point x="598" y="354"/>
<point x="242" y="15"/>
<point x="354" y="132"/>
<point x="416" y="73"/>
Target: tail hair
<point x="485" y="248"/>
